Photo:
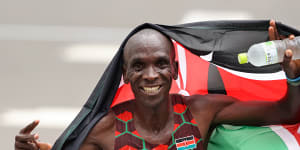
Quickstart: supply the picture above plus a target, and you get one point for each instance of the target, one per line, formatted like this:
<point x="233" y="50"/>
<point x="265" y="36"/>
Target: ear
<point x="175" y="70"/>
<point x="125" y="77"/>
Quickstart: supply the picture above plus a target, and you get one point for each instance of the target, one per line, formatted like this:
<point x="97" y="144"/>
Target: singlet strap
<point x="185" y="132"/>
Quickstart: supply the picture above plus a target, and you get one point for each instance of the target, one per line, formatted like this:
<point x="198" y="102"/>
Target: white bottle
<point x="270" y="52"/>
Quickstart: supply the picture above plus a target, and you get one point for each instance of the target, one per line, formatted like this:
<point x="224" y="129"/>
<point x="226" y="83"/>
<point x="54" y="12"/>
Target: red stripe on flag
<point x="294" y="129"/>
<point x="182" y="144"/>
<point x="190" y="142"/>
<point x="197" y="74"/>
<point x="123" y="94"/>
<point x="248" y="89"/>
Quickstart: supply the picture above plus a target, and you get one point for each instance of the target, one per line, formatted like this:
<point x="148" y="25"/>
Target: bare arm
<point x="232" y="111"/>
<point x="287" y="110"/>
<point x="218" y="109"/>
<point x="102" y="135"/>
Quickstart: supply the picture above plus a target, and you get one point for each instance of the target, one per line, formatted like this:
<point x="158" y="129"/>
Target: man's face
<point x="148" y="67"/>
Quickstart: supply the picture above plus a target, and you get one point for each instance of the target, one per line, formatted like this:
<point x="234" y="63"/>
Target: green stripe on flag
<point x="227" y="137"/>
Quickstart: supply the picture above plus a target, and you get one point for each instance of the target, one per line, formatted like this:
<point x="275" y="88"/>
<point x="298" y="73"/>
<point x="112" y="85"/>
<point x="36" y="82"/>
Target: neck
<point x="153" y="118"/>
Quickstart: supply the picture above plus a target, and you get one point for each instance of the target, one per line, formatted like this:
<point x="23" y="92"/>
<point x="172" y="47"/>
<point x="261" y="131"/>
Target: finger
<point x="271" y="33"/>
<point x="288" y="65"/>
<point x="44" y="146"/>
<point x="25" y="146"/>
<point x="273" y="24"/>
<point x="35" y="141"/>
<point x="292" y="36"/>
<point x="26" y="138"/>
<point x="288" y="57"/>
<point x="29" y="127"/>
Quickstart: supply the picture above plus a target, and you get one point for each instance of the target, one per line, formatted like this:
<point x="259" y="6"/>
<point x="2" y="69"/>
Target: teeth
<point x="151" y="89"/>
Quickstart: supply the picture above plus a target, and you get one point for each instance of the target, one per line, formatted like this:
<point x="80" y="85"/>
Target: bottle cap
<point x="242" y="57"/>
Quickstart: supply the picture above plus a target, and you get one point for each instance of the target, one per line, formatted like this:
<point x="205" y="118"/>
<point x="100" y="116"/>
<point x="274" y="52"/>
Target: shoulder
<point x="105" y="123"/>
<point x="104" y="129"/>
<point x="204" y="109"/>
<point x="211" y="102"/>
<point x="102" y="134"/>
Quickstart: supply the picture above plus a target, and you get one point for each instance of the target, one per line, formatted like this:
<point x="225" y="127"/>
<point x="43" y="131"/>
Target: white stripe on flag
<point x="207" y="57"/>
<point x="121" y="81"/>
<point x="257" y="76"/>
<point x="288" y="138"/>
<point x="182" y="64"/>
<point x="182" y="70"/>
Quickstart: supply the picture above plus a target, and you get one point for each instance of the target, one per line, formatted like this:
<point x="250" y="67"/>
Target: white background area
<point x="52" y="53"/>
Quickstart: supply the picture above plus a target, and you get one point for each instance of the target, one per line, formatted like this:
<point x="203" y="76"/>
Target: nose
<point x="150" y="74"/>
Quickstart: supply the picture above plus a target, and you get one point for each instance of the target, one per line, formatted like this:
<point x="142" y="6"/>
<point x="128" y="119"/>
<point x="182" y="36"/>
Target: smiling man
<point x="156" y="119"/>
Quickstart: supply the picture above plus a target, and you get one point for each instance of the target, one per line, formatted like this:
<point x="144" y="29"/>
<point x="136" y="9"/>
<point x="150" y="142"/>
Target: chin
<point x="152" y="104"/>
<point x="153" y="100"/>
<point x="149" y="99"/>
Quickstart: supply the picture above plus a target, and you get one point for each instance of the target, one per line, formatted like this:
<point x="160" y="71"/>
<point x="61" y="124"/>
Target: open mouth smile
<point x="151" y="90"/>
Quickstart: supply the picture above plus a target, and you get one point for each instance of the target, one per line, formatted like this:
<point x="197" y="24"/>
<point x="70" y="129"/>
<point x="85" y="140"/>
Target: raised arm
<point x="213" y="109"/>
<point x="287" y="110"/>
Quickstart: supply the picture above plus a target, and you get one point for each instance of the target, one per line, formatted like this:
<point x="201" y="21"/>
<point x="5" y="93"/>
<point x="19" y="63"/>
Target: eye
<point x="162" y="63"/>
<point x="137" y="66"/>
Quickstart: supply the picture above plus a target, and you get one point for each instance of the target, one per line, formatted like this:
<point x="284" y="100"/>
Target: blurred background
<point x="52" y="53"/>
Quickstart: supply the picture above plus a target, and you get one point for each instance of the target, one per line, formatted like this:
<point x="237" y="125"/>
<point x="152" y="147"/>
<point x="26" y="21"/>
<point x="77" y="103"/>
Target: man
<point x="150" y="118"/>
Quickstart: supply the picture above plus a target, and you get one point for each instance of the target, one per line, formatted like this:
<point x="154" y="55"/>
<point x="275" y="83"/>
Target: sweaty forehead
<point x="146" y="40"/>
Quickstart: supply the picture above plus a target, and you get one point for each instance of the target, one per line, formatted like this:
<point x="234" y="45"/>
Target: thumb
<point x="288" y="65"/>
<point x="44" y="146"/>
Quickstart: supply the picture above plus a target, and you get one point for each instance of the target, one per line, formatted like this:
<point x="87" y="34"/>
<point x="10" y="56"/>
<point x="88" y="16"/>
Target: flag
<point x="207" y="56"/>
<point x="186" y="143"/>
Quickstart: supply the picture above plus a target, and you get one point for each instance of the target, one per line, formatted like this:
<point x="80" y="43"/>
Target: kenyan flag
<point x="242" y="85"/>
<point x="279" y="137"/>
<point x="207" y="56"/>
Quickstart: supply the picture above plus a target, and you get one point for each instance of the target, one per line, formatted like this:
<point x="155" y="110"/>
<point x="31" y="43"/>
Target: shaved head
<point x="149" y="66"/>
<point x="147" y="37"/>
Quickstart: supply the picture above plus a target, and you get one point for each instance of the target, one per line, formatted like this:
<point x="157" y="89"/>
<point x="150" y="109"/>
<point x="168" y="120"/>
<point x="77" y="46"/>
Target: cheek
<point x="129" y="74"/>
<point x="133" y="75"/>
<point x="167" y="73"/>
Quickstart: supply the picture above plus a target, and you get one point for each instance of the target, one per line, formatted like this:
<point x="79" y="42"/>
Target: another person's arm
<point x="100" y="137"/>
<point x="25" y="140"/>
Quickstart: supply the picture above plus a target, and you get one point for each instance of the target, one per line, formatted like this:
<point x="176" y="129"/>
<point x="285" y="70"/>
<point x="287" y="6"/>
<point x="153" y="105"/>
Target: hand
<point x="273" y="33"/>
<point x="27" y="141"/>
<point x="291" y="67"/>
